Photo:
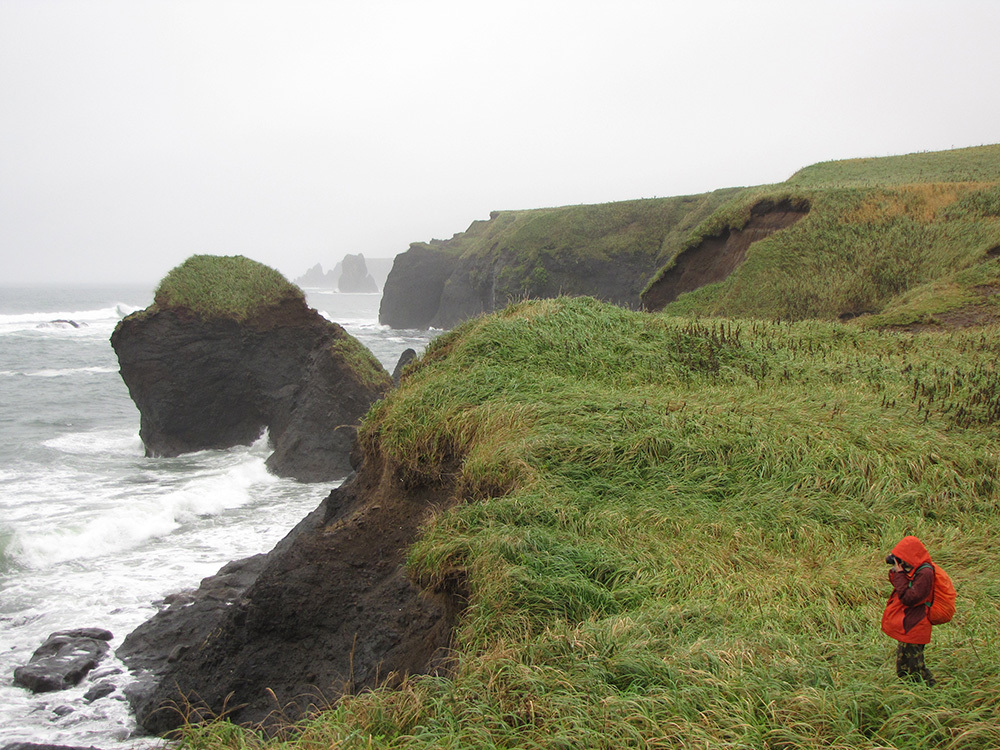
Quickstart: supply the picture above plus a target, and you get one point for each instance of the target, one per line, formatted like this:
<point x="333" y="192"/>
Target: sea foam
<point x="46" y="321"/>
<point x="54" y="373"/>
<point x="129" y="519"/>
<point x="98" y="442"/>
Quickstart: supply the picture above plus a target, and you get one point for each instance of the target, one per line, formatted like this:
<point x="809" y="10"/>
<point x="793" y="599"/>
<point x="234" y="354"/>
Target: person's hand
<point x="897" y="568"/>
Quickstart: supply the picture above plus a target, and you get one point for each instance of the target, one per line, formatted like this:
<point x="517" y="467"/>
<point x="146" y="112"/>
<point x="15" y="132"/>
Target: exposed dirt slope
<point x="715" y="258"/>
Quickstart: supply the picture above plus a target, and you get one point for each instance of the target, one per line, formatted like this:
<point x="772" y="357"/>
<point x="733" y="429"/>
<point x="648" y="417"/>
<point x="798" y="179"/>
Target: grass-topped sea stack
<point x="230" y="348"/>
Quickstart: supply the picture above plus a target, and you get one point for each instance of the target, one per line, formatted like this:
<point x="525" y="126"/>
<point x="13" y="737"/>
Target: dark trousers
<point x="910" y="662"/>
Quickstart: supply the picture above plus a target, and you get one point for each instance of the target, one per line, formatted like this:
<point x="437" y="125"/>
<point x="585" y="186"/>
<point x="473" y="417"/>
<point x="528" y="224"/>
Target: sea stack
<point x="228" y="349"/>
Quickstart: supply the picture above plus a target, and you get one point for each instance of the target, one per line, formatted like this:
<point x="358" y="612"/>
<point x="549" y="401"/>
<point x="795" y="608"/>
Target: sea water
<point x="92" y="533"/>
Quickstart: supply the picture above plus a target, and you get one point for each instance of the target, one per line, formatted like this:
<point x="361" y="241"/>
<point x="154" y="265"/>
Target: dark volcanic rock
<point x="354" y="276"/>
<point x="186" y="620"/>
<point x="413" y="289"/>
<point x="473" y="287"/>
<point x="217" y="383"/>
<point x="331" y="611"/>
<point x="405" y="358"/>
<point x="100" y="690"/>
<point x="63" y="660"/>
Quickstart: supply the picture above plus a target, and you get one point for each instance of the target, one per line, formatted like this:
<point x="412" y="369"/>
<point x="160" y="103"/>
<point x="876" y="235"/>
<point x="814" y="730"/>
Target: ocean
<point x="92" y="533"/>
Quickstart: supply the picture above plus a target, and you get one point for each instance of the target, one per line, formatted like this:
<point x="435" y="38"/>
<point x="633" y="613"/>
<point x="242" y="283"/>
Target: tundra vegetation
<point x="672" y="526"/>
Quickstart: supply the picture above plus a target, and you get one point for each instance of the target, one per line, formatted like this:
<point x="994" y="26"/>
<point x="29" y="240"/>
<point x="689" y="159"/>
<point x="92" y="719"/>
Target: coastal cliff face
<point x="607" y="251"/>
<point x="329" y="611"/>
<point x="413" y="289"/>
<point x="216" y="381"/>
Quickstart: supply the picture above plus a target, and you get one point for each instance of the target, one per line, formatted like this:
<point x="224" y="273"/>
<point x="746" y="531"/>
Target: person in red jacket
<point x="905" y="617"/>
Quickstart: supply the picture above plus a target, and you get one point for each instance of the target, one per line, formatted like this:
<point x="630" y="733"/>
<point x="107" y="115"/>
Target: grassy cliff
<point x="673" y="533"/>
<point x="877" y="229"/>
<point x="531" y="243"/>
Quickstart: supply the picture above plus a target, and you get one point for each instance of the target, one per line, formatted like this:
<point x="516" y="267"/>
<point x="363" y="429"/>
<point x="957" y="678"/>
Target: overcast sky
<point x="134" y="134"/>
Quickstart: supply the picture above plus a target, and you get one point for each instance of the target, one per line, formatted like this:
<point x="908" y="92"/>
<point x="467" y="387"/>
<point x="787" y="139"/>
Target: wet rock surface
<point x="405" y="358"/>
<point x="63" y="660"/>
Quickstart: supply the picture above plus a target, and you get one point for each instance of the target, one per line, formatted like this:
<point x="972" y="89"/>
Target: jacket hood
<point x="911" y="551"/>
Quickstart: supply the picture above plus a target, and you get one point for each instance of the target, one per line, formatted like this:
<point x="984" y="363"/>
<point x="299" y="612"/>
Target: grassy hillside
<point x="674" y="534"/>
<point x="877" y="228"/>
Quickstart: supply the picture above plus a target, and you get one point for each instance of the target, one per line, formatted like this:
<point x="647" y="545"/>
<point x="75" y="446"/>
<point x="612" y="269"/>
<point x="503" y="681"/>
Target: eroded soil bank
<point x="714" y="258"/>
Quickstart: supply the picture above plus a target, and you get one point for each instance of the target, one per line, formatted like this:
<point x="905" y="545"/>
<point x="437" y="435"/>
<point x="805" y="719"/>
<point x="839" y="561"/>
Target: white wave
<point x="70" y="371"/>
<point x="59" y="321"/>
<point x="122" y="310"/>
<point x="98" y="442"/>
<point x="136" y="519"/>
<point x="353" y="321"/>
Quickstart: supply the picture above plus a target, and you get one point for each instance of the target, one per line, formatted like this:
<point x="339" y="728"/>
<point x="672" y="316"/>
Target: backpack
<point x="941" y="607"/>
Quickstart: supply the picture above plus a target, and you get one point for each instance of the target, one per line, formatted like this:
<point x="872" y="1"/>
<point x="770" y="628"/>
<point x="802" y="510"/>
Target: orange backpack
<point x="941" y="607"/>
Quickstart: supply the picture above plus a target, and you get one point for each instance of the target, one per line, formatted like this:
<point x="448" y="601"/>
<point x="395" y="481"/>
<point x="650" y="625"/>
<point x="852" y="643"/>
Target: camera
<point x="891" y="559"/>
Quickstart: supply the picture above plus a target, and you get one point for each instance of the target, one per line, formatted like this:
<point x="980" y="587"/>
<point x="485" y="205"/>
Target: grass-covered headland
<point x="673" y="530"/>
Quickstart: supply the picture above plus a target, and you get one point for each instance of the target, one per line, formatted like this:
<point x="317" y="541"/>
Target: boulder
<point x="63" y="659"/>
<point x="203" y="381"/>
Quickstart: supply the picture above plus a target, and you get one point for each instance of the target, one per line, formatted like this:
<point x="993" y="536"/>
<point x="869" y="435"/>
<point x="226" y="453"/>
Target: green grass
<point x="976" y="164"/>
<point x="673" y="532"/>
<point x="213" y="286"/>
<point x="876" y="230"/>
<point x="360" y="362"/>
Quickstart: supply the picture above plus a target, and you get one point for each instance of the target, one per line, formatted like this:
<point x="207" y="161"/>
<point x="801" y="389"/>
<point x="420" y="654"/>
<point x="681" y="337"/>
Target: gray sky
<point x="134" y="134"/>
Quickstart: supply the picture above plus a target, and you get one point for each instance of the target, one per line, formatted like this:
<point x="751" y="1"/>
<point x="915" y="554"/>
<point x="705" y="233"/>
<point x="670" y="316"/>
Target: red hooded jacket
<point x="905" y="617"/>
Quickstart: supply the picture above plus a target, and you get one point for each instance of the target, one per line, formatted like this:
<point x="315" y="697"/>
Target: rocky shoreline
<point x="329" y="611"/>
